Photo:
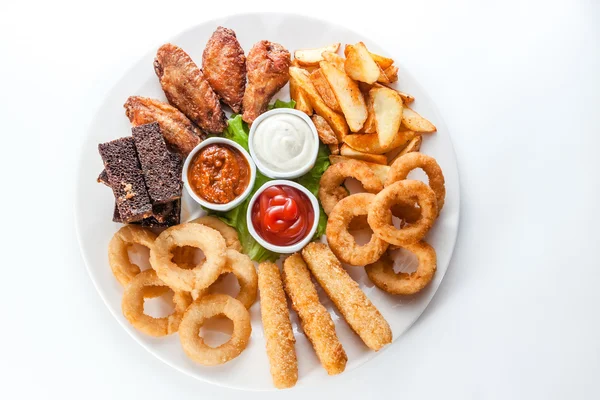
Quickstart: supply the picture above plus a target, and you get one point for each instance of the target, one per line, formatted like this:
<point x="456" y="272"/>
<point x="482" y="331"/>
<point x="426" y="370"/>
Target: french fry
<point x="413" y="121"/>
<point x="325" y="132"/>
<point x="383" y="78"/>
<point x="334" y="149"/>
<point x="369" y="142"/>
<point x="348" y="94"/>
<point x="359" y="65"/>
<point x="348" y="151"/>
<point x="380" y="170"/>
<point x="336" y="121"/>
<point x="364" y="88"/>
<point x="391" y="73"/>
<point x="406" y="98"/>
<point x="334" y="58"/>
<point x="412" y="146"/>
<point x="312" y="57"/>
<point x="302" y="101"/>
<point x="387" y="106"/>
<point x="295" y="63"/>
<point x="383" y="62"/>
<point x="369" y="126"/>
<point x="324" y="89"/>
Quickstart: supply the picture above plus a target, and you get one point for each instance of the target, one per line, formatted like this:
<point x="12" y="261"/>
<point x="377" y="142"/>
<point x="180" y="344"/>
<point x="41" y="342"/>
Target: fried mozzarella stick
<point x="316" y="321"/>
<point x="357" y="309"/>
<point x="277" y="327"/>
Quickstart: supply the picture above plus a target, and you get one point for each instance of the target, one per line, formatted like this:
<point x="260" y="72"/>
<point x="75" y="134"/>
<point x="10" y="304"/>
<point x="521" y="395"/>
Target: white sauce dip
<point x="284" y="143"/>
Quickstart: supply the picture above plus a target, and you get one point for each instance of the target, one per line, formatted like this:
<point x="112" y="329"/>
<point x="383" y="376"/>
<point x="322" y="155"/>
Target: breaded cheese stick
<point x="316" y="321"/>
<point x="357" y="309"/>
<point x="277" y="326"/>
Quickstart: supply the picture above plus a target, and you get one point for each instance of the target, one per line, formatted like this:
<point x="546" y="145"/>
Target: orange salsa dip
<point x="219" y="173"/>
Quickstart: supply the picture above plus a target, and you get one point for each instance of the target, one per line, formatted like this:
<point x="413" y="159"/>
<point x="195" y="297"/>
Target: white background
<point x="517" y="315"/>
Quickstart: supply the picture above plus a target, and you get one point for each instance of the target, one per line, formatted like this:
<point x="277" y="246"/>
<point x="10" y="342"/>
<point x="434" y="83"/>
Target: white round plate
<point x="250" y="371"/>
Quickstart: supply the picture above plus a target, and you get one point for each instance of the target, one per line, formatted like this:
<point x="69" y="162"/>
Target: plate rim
<point x="80" y="176"/>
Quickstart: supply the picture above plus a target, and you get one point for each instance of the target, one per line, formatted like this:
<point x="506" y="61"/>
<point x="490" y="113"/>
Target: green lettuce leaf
<point x="282" y="104"/>
<point x="237" y="130"/>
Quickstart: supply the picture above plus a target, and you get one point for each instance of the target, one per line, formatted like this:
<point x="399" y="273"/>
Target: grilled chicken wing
<point x="187" y="88"/>
<point x="268" y="71"/>
<point x="224" y="66"/>
<point x="177" y="129"/>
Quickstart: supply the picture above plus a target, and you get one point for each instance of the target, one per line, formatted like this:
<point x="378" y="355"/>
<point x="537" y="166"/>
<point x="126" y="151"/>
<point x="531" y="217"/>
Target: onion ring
<point x="185" y="255"/>
<point x="330" y="190"/>
<point x="382" y="274"/>
<point x="243" y="268"/>
<point x="404" y="191"/>
<point x="201" y="276"/>
<point x="146" y="284"/>
<point x="232" y="240"/>
<point x="342" y="243"/>
<point x="403" y="165"/>
<point x="207" y="307"/>
<point x="118" y="258"/>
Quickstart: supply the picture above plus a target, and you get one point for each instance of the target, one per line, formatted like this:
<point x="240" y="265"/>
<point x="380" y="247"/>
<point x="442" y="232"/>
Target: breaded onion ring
<point x="314" y="317"/>
<point x="403" y="165"/>
<point x="342" y="243"/>
<point x="198" y="312"/>
<point x="201" y="276"/>
<point x="184" y="256"/>
<point x="232" y="240"/>
<point x="330" y="190"/>
<point x="382" y="274"/>
<point x="380" y="214"/>
<point x="118" y="258"/>
<point x="146" y="285"/>
<point x="243" y="268"/>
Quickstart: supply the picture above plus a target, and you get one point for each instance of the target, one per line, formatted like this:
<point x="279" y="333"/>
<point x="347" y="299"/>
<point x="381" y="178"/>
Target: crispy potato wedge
<point x="387" y="106"/>
<point x="312" y="57"/>
<point x="383" y="62"/>
<point x="369" y="126"/>
<point x="334" y="58"/>
<point x="295" y="63"/>
<point x="383" y="78"/>
<point x="406" y="98"/>
<point x="302" y="101"/>
<point x="348" y="94"/>
<point x="369" y="142"/>
<point x="391" y="74"/>
<point x="412" y="146"/>
<point x="336" y="121"/>
<point x="348" y="151"/>
<point x="380" y="170"/>
<point x="334" y="149"/>
<point x="364" y="88"/>
<point x="413" y="121"/>
<point x="359" y="65"/>
<point x="324" y="89"/>
<point x="326" y="134"/>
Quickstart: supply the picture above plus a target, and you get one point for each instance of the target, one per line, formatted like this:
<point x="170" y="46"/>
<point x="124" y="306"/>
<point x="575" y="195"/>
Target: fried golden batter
<point x="268" y="66"/>
<point x="176" y="128"/>
<point x="187" y="89"/>
<point x="224" y="66"/>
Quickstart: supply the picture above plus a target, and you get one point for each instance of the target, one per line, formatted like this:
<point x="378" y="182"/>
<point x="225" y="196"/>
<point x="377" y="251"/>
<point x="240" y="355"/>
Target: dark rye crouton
<point x="162" y="173"/>
<point x="126" y="179"/>
<point x="103" y="178"/>
<point x="163" y="215"/>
